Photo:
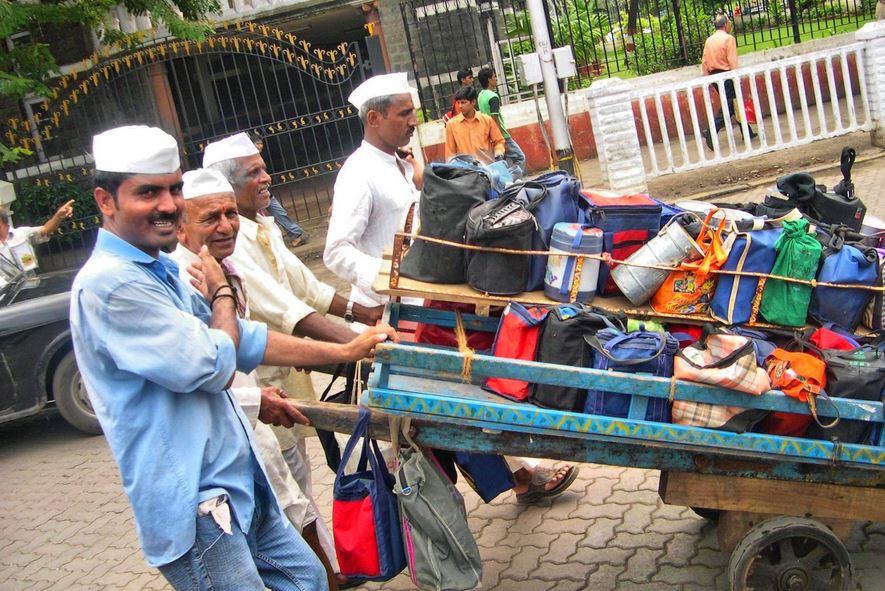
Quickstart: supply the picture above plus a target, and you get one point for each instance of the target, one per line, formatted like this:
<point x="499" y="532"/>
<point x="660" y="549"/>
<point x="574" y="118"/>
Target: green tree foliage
<point x="25" y="68"/>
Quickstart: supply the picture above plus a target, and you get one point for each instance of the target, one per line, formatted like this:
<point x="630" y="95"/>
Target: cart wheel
<point x="708" y="514"/>
<point x="790" y="554"/>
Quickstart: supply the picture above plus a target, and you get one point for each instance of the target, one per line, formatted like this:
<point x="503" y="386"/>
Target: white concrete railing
<point x="671" y="117"/>
<point x="801" y="124"/>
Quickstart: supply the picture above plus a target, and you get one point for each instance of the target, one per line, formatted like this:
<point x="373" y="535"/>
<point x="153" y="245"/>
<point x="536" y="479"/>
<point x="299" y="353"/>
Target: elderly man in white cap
<point x="375" y="187"/>
<point x="210" y="218"/>
<point x="157" y="360"/>
<point x="283" y="292"/>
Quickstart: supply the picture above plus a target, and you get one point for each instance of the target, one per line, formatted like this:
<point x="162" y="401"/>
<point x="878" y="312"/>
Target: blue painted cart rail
<point x="425" y="382"/>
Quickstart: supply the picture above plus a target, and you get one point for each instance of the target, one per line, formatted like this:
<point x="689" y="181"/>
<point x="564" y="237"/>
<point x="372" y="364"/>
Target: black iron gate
<point x="248" y="77"/>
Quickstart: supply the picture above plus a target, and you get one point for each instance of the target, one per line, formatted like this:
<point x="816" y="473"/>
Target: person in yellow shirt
<point x="720" y="55"/>
<point x="472" y="132"/>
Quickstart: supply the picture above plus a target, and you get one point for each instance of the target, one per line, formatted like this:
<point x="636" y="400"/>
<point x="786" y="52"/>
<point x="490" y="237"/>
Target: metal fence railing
<point x="622" y="38"/>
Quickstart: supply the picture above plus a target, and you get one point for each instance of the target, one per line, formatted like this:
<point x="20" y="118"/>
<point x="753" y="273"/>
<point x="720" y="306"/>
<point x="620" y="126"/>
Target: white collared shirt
<point x="372" y="197"/>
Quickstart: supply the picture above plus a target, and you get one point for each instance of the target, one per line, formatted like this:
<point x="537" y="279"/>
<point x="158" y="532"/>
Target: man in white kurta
<point x="373" y="194"/>
<point x="283" y="292"/>
<point x="374" y="190"/>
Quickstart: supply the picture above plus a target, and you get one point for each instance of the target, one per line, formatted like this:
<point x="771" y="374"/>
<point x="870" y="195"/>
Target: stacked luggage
<point x="796" y="259"/>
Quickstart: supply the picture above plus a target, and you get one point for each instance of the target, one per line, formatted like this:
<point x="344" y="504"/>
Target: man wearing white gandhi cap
<point x="210" y="218"/>
<point x="157" y="360"/>
<point x="376" y="186"/>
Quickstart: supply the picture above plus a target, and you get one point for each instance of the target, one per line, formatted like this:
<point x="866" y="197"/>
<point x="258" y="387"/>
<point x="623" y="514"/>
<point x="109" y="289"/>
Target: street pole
<point x="561" y="143"/>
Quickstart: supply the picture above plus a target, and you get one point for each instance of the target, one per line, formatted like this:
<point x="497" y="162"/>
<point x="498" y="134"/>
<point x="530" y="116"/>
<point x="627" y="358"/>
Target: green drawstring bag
<point x="798" y="255"/>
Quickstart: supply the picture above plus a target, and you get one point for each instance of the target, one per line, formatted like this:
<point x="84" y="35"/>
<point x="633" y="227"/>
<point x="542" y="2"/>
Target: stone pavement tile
<point x="673" y="575"/>
<point x="710" y="558"/>
<point x="609" y="509"/>
<point x="604" y="578"/>
<point x="73" y="582"/>
<point x="609" y="555"/>
<point x="567" y="524"/>
<point x="563" y="547"/>
<point x="571" y="571"/>
<point x="504" y="507"/>
<point x="641" y="566"/>
<point x="649" y="540"/>
<point x="525" y="562"/>
<point x="680" y="549"/>
<point x="709" y="539"/>
<point x="628" y="585"/>
<point x="600" y="532"/>
<point x="637" y="519"/>
<point x="633" y="479"/>
<point x="528" y="521"/>
<point x="493" y="532"/>
<point x="634" y="497"/>
<point x="146" y="581"/>
<point x="508" y="584"/>
<point x="491" y="572"/>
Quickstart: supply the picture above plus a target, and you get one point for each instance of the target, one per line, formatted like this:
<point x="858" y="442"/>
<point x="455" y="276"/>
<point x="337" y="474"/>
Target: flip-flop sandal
<point x="542" y="476"/>
<point x="300" y="241"/>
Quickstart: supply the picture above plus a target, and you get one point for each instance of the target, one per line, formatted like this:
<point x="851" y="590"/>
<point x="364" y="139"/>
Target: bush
<point x="657" y="45"/>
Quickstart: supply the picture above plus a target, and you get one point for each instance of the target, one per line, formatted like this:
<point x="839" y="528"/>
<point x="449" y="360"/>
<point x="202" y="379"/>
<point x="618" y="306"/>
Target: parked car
<point x="38" y="367"/>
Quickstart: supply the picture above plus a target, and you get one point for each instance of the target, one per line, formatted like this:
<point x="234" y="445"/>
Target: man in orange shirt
<point x="472" y="132"/>
<point x="720" y="55"/>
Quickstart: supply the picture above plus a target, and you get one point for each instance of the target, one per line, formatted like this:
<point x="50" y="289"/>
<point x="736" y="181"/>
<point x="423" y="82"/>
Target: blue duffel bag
<point x="552" y="198"/>
<point x="846" y="264"/>
<point x="751" y="252"/>
<point x="631" y="352"/>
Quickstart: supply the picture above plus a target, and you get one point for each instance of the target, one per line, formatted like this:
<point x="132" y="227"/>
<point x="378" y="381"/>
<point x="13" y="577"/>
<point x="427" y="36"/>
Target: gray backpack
<point x="440" y="549"/>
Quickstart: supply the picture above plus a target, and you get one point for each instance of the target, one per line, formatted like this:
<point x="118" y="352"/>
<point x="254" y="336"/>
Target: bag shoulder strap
<point x="593" y="341"/>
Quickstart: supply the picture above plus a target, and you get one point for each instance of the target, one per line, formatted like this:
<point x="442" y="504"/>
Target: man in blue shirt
<point x="157" y="361"/>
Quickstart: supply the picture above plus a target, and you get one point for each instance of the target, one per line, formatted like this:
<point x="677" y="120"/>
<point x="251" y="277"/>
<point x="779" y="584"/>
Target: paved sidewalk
<point x="65" y="523"/>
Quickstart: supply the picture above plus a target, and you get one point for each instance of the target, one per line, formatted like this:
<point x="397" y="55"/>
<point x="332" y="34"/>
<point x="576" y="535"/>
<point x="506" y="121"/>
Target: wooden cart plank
<point x="464" y="294"/>
<point x="731" y="493"/>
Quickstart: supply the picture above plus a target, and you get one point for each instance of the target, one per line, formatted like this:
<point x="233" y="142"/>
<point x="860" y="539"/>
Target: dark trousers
<point x="730" y="97"/>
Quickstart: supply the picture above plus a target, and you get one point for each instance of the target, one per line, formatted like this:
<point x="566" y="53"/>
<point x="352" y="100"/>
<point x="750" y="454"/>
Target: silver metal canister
<point x="672" y="245"/>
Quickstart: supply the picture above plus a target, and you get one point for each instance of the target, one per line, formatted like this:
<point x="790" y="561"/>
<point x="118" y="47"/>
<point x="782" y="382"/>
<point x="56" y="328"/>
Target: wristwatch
<point x="348" y="312"/>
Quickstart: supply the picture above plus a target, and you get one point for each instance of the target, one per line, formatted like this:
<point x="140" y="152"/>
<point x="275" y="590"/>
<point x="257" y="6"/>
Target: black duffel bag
<point x="501" y="223"/>
<point x="562" y="342"/>
<point x="448" y="194"/>
<point x="858" y="374"/>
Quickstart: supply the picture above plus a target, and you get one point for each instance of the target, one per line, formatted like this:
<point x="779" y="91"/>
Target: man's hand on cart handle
<point x="363" y="345"/>
<point x="276" y="409"/>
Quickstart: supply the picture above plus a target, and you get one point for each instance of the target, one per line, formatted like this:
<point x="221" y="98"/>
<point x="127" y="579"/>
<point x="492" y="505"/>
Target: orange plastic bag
<point x="689" y="289"/>
<point x="798" y="375"/>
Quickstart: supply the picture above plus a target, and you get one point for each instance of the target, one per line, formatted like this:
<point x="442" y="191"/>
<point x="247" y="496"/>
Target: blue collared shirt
<point x="156" y="374"/>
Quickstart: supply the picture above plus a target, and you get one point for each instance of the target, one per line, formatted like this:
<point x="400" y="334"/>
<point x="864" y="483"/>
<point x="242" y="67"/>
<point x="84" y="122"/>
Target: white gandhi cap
<point x="135" y="149"/>
<point x="202" y="182"/>
<point x="238" y="145"/>
<point x="382" y="85"/>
